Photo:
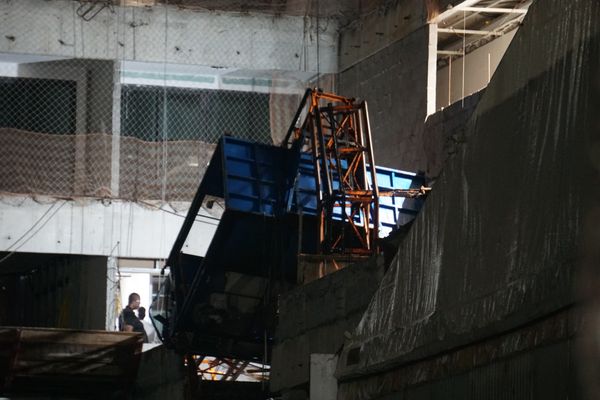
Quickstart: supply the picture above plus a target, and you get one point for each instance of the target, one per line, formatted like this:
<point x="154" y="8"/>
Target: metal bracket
<point x="88" y="9"/>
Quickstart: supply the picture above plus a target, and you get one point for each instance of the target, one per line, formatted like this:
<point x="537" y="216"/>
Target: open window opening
<point x="468" y="42"/>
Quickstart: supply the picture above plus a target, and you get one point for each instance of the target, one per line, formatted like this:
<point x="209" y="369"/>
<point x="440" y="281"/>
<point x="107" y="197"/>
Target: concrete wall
<point x="254" y="41"/>
<point x="375" y="31"/>
<point x="97" y="227"/>
<point x="394" y="83"/>
<point x="161" y="375"/>
<point x="385" y="58"/>
<point x="496" y="247"/>
<point x="100" y="96"/>
<point x="389" y="59"/>
<point x="314" y="318"/>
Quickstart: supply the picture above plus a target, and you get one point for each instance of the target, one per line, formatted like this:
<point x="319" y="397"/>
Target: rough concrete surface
<point x="170" y="34"/>
<point x="374" y="31"/>
<point x="313" y="319"/>
<point x="496" y="245"/>
<point x="161" y="375"/>
<point x="394" y="83"/>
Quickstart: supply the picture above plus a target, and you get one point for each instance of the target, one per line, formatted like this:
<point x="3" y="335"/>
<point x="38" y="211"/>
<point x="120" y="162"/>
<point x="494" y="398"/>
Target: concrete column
<point x="323" y="385"/>
<point x="432" y="69"/>
<point x="116" y="132"/>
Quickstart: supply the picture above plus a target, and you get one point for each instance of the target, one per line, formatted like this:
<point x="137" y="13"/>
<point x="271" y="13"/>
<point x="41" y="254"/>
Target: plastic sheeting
<point x="495" y="246"/>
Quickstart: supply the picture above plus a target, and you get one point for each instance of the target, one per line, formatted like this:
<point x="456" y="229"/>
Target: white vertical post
<point x="464" y="59"/>
<point x="432" y="69"/>
<point x="111" y="293"/>
<point x="323" y="384"/>
<point x="489" y="68"/>
<point x="116" y="132"/>
<point x="449" y="80"/>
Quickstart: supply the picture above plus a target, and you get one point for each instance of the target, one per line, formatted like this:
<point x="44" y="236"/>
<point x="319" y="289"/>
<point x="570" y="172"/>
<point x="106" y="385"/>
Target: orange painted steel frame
<point x="336" y="131"/>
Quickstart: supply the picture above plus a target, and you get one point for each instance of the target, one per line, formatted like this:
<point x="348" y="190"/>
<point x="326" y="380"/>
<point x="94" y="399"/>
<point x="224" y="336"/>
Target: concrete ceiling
<point x="344" y="10"/>
<point x="482" y="26"/>
<point x="13" y="58"/>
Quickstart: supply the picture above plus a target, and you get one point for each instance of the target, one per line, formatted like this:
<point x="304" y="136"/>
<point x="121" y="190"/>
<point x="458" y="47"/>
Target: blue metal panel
<point x="305" y="198"/>
<point x="262" y="186"/>
<point x="256" y="177"/>
<point x="259" y="179"/>
<point x="393" y="211"/>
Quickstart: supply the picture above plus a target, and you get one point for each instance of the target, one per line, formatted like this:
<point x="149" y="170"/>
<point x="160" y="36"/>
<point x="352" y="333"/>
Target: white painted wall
<point x="239" y="40"/>
<point x="480" y="66"/>
<point x="136" y="282"/>
<point x="94" y="227"/>
<point x="9" y="69"/>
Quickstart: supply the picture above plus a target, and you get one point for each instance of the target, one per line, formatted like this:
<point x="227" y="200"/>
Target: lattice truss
<point x="336" y="132"/>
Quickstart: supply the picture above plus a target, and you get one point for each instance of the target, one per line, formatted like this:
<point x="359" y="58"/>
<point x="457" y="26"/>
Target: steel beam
<point x="494" y="10"/>
<point x="454" y="10"/>
<point x="450" y="53"/>
<point x="470" y="32"/>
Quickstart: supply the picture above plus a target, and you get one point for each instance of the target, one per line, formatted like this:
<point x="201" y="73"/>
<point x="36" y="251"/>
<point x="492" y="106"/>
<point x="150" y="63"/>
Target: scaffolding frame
<point x="335" y="130"/>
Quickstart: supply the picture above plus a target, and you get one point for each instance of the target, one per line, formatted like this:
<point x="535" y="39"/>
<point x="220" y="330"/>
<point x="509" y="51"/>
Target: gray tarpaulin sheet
<point x="496" y="245"/>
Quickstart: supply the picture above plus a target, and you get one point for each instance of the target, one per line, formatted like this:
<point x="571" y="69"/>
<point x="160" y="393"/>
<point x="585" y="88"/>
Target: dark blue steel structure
<point x="265" y="190"/>
<point x="224" y="304"/>
<point x="394" y="211"/>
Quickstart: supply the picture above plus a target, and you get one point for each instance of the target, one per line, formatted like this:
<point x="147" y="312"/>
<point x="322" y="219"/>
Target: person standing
<point x="128" y="321"/>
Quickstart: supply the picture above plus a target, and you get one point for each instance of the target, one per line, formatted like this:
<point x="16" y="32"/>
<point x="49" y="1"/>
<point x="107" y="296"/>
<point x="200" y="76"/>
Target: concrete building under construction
<point x="300" y="199"/>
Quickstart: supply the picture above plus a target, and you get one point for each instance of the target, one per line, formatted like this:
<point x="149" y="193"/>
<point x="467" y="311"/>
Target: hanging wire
<point x="34" y="233"/>
<point x="74" y="24"/>
<point x="449" y="80"/>
<point x="464" y="58"/>
<point x="318" y="49"/>
<point x="165" y="121"/>
<point x="115" y="303"/>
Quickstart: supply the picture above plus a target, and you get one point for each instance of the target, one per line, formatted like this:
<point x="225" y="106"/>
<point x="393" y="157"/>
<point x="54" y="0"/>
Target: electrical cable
<point x="32" y="227"/>
<point x="34" y="233"/>
<point x="165" y="116"/>
<point x="318" y="50"/>
<point x="178" y="215"/>
<point x="464" y="59"/>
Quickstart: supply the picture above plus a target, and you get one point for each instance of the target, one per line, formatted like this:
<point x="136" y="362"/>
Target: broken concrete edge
<point x="444" y="134"/>
<point x="368" y="273"/>
<point x="496" y="94"/>
<point x="316" y="317"/>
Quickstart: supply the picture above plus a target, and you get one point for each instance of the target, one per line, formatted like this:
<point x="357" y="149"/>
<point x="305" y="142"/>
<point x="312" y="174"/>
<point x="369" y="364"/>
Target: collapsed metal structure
<point x="336" y="133"/>
<point x="317" y="195"/>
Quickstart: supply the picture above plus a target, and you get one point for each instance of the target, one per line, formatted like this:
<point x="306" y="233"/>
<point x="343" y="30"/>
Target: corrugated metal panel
<point x="260" y="179"/>
<point x="393" y="211"/>
<point x="396" y="211"/>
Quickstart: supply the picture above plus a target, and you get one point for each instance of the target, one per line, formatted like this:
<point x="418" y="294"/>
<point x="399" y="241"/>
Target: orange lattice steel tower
<point x="335" y="130"/>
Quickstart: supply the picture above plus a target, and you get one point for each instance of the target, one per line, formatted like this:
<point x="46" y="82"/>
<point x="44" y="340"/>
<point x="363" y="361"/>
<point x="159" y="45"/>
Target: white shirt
<point x="150" y="331"/>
